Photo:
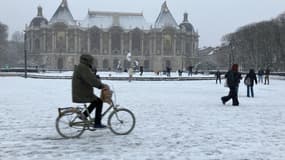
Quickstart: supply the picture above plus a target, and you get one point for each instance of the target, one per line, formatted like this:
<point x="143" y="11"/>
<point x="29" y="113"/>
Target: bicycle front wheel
<point x="68" y="125"/>
<point x="121" y="121"/>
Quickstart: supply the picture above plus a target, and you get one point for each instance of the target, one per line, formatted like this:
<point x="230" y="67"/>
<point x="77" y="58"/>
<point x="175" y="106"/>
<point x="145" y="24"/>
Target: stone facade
<point x="109" y="37"/>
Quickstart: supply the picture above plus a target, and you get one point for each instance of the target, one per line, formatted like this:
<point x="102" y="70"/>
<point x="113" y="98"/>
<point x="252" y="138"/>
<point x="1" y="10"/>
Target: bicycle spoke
<point x="121" y="122"/>
<point x="68" y="126"/>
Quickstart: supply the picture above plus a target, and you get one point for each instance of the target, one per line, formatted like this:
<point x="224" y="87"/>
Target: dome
<point x="38" y="21"/>
<point x="186" y="25"/>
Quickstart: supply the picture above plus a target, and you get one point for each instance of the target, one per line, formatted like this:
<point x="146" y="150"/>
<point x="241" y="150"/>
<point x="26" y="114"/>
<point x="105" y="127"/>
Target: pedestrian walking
<point x="190" y="70"/>
<point x="218" y="76"/>
<point x="233" y="78"/>
<point x="266" y="77"/>
<point x="180" y="72"/>
<point x="141" y="70"/>
<point x="260" y="75"/>
<point x="249" y="81"/>
<point x="131" y="73"/>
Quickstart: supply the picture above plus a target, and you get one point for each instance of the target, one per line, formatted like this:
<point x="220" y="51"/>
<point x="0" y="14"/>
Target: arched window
<point x="49" y="40"/>
<point x="146" y="65"/>
<point x="136" y="42"/>
<point x="60" y="41"/>
<point x="167" y="40"/>
<point x="105" y="64"/>
<point x="37" y="44"/>
<point x="116" y="40"/>
<point x="60" y="63"/>
<point x="167" y="64"/>
<point x="71" y="41"/>
<point x="116" y="65"/>
<point x="94" y="40"/>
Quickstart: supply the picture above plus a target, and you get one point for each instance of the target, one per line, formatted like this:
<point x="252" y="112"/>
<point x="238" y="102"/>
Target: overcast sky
<point x="211" y="18"/>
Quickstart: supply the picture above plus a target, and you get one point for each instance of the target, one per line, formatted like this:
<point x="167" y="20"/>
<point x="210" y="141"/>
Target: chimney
<point x="40" y="11"/>
<point x="185" y="17"/>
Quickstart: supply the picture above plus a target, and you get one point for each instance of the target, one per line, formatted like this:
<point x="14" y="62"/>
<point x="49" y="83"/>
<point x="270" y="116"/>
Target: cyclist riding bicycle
<point x="83" y="81"/>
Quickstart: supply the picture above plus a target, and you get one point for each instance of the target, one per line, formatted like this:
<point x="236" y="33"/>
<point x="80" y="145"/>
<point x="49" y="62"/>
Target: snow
<point x="175" y="120"/>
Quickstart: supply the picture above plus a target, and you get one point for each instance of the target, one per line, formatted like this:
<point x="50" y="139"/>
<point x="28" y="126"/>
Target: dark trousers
<point x="266" y="80"/>
<point x="98" y="104"/>
<point x="250" y="90"/>
<point x="232" y="95"/>
<point x="218" y="79"/>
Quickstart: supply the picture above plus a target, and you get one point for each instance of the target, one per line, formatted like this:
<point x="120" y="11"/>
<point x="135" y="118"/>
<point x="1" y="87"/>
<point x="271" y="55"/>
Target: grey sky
<point x="212" y="18"/>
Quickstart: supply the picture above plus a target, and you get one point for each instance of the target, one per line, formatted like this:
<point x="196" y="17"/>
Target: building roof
<point x="107" y="20"/>
<point x="281" y="17"/>
<point x="165" y="18"/>
<point x="63" y="14"/>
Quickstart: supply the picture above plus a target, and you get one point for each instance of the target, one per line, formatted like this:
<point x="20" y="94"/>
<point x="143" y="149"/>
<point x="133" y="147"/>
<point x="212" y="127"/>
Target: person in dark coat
<point x="168" y="71"/>
<point x="190" y="70"/>
<point x="83" y="81"/>
<point x="266" y="78"/>
<point x="180" y="72"/>
<point x="218" y="76"/>
<point x="233" y="78"/>
<point x="141" y="70"/>
<point x="249" y="80"/>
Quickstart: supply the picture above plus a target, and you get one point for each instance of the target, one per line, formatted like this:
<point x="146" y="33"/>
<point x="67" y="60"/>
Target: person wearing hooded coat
<point x="233" y="78"/>
<point x="83" y="81"/>
<point x="252" y="78"/>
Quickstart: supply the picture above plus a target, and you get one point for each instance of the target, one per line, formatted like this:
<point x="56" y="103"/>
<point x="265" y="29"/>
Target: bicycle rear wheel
<point x="68" y="124"/>
<point x="121" y="121"/>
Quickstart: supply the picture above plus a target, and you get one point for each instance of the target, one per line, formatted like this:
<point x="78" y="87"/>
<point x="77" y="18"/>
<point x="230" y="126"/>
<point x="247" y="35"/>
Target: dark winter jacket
<point x="83" y="81"/>
<point x="218" y="74"/>
<point x="252" y="76"/>
<point x="233" y="78"/>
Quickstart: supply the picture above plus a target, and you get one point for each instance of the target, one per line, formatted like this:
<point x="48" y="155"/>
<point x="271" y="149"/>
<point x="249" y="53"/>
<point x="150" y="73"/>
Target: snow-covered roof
<point x="63" y="14"/>
<point x="109" y="19"/>
<point x="165" y="18"/>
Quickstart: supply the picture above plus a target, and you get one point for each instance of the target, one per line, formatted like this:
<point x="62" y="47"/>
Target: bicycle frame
<point x="90" y="119"/>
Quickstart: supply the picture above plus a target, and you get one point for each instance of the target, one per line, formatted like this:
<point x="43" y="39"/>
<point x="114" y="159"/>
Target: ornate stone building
<point x="109" y="37"/>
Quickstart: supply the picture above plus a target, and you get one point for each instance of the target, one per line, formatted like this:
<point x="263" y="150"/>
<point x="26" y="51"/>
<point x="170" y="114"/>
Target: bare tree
<point x="18" y="37"/>
<point x="16" y="49"/>
<point x="258" y="45"/>
<point x="3" y="43"/>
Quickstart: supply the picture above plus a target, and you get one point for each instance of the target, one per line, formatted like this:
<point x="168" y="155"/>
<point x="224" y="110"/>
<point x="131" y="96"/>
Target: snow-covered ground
<point x="175" y="120"/>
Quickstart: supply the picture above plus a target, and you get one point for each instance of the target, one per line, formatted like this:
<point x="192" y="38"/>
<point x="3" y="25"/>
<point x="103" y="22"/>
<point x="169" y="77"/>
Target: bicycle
<point x="69" y="123"/>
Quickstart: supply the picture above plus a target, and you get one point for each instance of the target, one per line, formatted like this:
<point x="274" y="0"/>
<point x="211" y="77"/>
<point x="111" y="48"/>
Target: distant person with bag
<point x="233" y="78"/>
<point x="249" y="80"/>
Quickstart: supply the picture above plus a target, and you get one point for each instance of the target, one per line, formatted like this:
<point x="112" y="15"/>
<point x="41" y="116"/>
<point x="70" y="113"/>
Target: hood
<point x="86" y="59"/>
<point x="235" y="67"/>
